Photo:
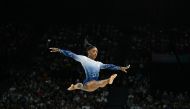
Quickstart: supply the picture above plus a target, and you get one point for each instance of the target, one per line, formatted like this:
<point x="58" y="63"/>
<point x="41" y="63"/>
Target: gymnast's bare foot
<point x="112" y="78"/>
<point x="71" y="87"/>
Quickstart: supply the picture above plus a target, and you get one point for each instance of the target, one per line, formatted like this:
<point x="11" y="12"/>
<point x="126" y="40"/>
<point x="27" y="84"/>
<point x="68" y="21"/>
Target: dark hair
<point x="87" y="45"/>
<point x="90" y="47"/>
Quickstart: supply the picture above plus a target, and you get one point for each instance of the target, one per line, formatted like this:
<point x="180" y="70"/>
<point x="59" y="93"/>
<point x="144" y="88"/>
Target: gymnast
<point x="91" y="68"/>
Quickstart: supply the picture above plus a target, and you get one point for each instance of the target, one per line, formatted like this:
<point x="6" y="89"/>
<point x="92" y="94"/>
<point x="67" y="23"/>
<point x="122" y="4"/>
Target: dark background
<point x="37" y="17"/>
<point x="117" y="12"/>
<point x="41" y="15"/>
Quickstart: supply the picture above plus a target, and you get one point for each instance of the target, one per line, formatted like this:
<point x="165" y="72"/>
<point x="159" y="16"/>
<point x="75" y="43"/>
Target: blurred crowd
<point x="40" y="91"/>
<point x="141" y="96"/>
<point x="44" y="86"/>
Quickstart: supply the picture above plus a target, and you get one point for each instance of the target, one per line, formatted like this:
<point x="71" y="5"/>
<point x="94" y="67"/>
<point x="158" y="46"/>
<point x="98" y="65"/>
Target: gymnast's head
<point x="92" y="52"/>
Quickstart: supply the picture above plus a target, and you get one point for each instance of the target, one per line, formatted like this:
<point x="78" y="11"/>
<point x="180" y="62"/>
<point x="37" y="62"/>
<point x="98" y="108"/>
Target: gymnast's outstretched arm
<point x="68" y="54"/>
<point x="114" y="67"/>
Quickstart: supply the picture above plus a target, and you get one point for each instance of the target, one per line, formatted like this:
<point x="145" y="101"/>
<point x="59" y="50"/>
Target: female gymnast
<point x="92" y="68"/>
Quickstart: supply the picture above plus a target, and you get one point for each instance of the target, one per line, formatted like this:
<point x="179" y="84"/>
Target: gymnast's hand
<point x="54" y="49"/>
<point x="124" y="69"/>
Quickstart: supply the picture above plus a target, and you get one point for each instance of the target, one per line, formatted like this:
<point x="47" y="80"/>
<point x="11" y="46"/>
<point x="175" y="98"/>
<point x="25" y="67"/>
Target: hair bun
<point x="87" y="45"/>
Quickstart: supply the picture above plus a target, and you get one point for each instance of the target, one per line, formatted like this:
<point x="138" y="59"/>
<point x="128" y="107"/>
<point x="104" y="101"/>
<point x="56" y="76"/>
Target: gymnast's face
<point x="92" y="53"/>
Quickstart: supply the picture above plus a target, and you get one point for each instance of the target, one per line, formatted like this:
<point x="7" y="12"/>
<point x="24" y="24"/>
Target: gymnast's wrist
<point x="59" y="50"/>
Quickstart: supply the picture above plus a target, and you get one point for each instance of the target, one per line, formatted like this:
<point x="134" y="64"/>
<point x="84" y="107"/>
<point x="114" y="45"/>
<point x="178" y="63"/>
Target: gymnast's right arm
<point x="67" y="53"/>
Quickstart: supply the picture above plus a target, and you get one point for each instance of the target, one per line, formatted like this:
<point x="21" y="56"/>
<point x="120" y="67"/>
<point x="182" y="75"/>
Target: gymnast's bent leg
<point x="103" y="83"/>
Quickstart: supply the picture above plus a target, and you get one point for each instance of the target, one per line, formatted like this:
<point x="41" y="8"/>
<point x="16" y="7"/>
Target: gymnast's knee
<point x="79" y="86"/>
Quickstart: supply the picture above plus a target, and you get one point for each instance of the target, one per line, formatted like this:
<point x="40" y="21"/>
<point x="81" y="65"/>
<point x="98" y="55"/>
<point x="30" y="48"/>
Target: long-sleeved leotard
<point x="91" y="67"/>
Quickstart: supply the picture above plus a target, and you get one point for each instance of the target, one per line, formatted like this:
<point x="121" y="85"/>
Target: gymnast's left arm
<point x="113" y="67"/>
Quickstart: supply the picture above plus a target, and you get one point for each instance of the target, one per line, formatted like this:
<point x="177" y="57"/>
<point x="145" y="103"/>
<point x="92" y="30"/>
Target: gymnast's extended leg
<point x="93" y="85"/>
